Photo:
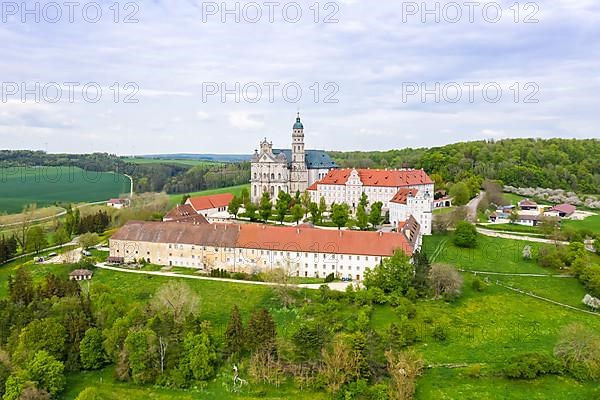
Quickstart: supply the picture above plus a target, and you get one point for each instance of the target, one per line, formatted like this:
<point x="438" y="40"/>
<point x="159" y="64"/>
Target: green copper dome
<point x="298" y="124"/>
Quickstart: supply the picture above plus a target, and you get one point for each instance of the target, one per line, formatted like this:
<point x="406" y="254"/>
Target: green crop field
<point x="49" y="185"/>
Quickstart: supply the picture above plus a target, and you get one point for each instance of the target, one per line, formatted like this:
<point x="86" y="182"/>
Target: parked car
<point x="39" y="259"/>
<point x="86" y="253"/>
<point x="52" y="254"/>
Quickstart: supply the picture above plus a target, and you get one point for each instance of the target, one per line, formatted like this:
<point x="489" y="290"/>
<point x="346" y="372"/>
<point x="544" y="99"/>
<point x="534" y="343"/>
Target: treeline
<point x="151" y="177"/>
<point x="568" y="164"/>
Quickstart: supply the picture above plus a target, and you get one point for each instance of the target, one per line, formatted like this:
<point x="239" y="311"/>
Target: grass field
<point x="49" y="185"/>
<point x="484" y="328"/>
<point x="512" y="228"/>
<point x="592" y="223"/>
<point x="236" y="190"/>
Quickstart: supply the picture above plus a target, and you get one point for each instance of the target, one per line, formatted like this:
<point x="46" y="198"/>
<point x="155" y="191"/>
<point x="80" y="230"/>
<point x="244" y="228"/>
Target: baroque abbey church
<point x="287" y="170"/>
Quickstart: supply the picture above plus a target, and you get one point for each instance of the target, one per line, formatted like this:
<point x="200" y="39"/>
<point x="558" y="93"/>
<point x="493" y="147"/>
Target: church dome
<point x="298" y="124"/>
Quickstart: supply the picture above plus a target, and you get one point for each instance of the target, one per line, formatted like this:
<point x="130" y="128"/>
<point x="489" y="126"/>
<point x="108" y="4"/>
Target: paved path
<point x="503" y="235"/>
<point x="339" y="286"/>
<point x="472" y="207"/>
<point x="516" y="274"/>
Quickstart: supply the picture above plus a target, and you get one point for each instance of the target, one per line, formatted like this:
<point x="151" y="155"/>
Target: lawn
<point x="512" y="228"/>
<point x="47" y="186"/>
<point x="491" y="254"/>
<point x="235" y="190"/>
<point x="592" y="223"/>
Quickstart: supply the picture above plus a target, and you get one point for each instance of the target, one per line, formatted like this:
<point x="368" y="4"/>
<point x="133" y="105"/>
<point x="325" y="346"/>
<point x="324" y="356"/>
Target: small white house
<point x="118" y="203"/>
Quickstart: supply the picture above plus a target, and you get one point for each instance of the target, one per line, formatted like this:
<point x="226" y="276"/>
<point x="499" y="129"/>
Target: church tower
<point x="299" y="173"/>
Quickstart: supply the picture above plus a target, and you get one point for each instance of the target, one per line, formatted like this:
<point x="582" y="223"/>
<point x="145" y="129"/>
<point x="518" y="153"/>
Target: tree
<point x="198" y="357"/>
<point x="27" y="218"/>
<point x="445" y="281"/>
<point x="141" y="350"/>
<point x="393" y="274"/>
<point x="41" y="334"/>
<point x="47" y="372"/>
<point x="465" y="235"/>
<point x="266" y="208"/>
<point x="362" y="219"/>
<point x="340" y="365"/>
<point x="61" y="236"/>
<point x="315" y="213"/>
<point x="234" y="206"/>
<point x="245" y="196"/>
<point x="514" y="216"/>
<point x="322" y="206"/>
<point x="460" y="194"/>
<point x="176" y="299"/>
<point x="297" y="213"/>
<point x="36" y="239"/>
<point x="184" y="199"/>
<point x="578" y="348"/>
<point x="234" y="334"/>
<point x="305" y="201"/>
<point x="340" y="213"/>
<point x="375" y="213"/>
<point x="527" y="253"/>
<point x="91" y="350"/>
<point x="88" y="240"/>
<point x="20" y="287"/>
<point x="251" y="209"/>
<point x="404" y="369"/>
<point x="422" y="267"/>
<point x="364" y="200"/>
<point x="282" y="205"/>
<point x="261" y="331"/>
<point x="549" y="225"/>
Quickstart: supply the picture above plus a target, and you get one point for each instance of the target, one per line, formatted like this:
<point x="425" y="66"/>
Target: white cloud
<point x="244" y="121"/>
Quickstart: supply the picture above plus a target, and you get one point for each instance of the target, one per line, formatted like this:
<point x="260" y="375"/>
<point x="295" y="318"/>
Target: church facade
<point x="287" y="170"/>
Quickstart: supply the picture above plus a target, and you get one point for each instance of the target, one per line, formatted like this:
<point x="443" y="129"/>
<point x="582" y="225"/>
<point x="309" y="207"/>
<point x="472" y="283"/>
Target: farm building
<point x="81" y="275"/>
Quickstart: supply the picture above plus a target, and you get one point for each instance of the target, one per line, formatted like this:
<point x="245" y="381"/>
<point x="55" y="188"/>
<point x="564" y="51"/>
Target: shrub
<point x="532" y="365"/>
<point x="404" y="308"/>
<point x="445" y="281"/>
<point x="579" y="351"/>
<point x="330" y="278"/>
<point x="478" y="285"/>
<point x="474" y="371"/>
<point x="440" y="332"/>
<point x="465" y="235"/>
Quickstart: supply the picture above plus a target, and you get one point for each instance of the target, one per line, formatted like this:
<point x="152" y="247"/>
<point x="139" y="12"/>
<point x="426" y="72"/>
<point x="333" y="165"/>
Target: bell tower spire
<point x="299" y="175"/>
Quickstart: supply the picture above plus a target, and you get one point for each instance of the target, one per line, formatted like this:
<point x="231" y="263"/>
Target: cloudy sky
<point x="372" y="74"/>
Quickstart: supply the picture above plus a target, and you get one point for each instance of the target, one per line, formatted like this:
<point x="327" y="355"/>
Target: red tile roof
<point x="378" y="177"/>
<point x="403" y="194"/>
<point x="184" y="213"/>
<point x="267" y="237"/>
<point x="212" y="201"/>
<point x="527" y="202"/>
<point x="564" y="208"/>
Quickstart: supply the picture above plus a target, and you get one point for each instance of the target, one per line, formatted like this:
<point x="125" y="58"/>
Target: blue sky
<point x="373" y="54"/>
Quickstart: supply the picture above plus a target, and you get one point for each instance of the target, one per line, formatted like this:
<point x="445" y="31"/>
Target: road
<point x="472" y="207"/>
<point x="60" y="214"/>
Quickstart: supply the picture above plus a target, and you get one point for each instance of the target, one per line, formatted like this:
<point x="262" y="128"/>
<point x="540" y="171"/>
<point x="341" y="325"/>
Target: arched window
<point x="272" y="176"/>
<point x="279" y="176"/>
<point x="272" y="191"/>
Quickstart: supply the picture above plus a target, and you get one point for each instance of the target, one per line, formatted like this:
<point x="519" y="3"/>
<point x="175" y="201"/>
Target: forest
<point x="568" y="164"/>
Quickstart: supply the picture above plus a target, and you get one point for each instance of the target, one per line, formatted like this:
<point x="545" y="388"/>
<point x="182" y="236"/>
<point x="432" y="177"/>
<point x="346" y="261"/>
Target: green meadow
<point x="484" y="328"/>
